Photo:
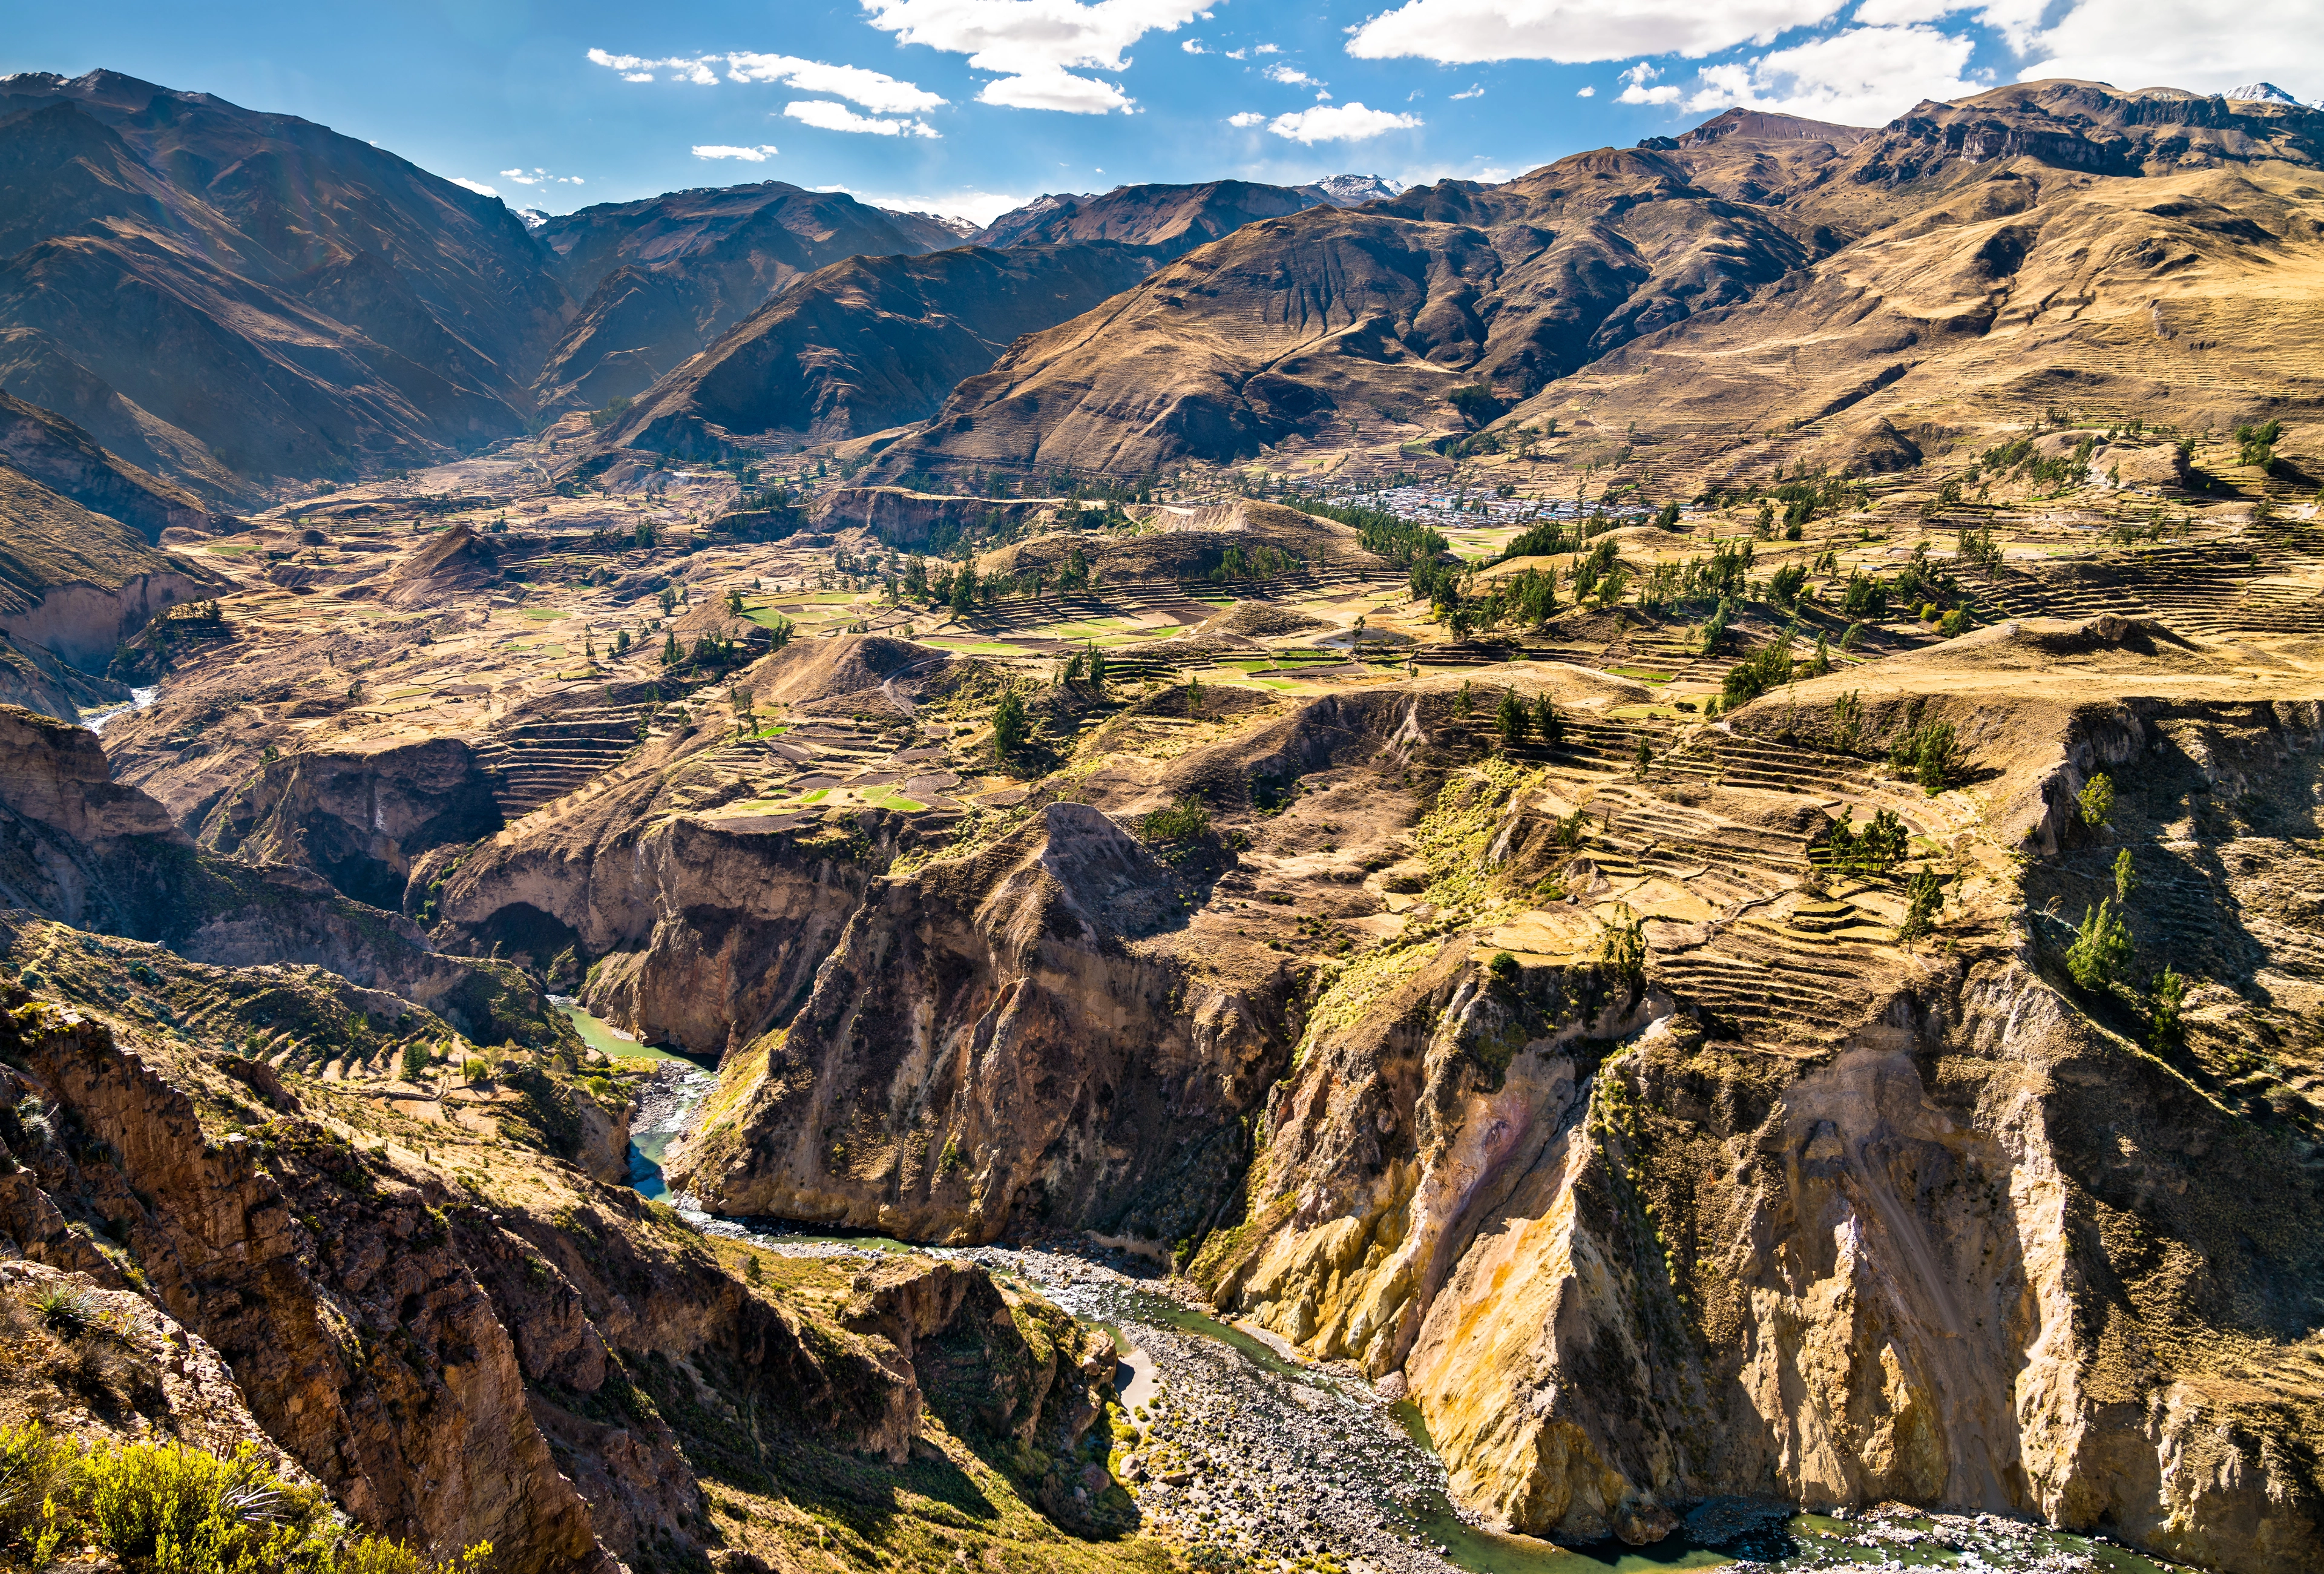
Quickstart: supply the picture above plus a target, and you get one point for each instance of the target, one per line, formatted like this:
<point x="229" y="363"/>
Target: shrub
<point x="1875" y="849"/>
<point x="1866" y="598"/>
<point x="1547" y="721"/>
<point x="66" y="1312"/>
<point x="33" y="1466"/>
<point x="415" y="1060"/>
<point x="1503" y="967"/>
<point x="1623" y="951"/>
<point x="1182" y="821"/>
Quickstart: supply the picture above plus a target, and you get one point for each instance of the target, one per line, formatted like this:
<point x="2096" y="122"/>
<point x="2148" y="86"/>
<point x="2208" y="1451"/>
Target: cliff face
<point x="1994" y="1243"/>
<point x="540" y="1360"/>
<point x="990" y="1043"/>
<point x="357" y="817"/>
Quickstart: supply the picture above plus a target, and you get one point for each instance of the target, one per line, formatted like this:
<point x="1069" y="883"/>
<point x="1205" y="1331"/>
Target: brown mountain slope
<point x="1175" y="217"/>
<point x="1326" y="315"/>
<point x="60" y="456"/>
<point x="2153" y="255"/>
<point x="880" y="341"/>
<point x="211" y="290"/>
<point x="872" y="342"/>
<point x="662" y="278"/>
<point x="1762" y="270"/>
<point x="72" y="584"/>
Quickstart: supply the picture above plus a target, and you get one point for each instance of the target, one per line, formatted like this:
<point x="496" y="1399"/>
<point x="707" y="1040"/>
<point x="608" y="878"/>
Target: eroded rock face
<point x="357" y="819"/>
<point x="1981" y="1252"/>
<point x="454" y="1369"/>
<point x="989" y="1041"/>
<point x="702" y="931"/>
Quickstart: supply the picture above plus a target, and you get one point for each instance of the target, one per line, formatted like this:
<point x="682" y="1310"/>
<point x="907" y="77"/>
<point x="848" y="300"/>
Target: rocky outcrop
<point x="538" y="1374"/>
<point x="1981" y="1251"/>
<point x="990" y="1043"/>
<point x="358" y="817"/>
<point x="76" y="848"/>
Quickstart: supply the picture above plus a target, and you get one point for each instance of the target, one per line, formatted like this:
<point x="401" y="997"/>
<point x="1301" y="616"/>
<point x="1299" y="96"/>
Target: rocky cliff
<point x="459" y="1360"/>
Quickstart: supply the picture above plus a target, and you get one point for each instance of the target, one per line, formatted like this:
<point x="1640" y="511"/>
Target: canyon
<point x="1661" y="818"/>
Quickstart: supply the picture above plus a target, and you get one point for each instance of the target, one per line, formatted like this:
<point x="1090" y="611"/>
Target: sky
<point x="969" y="108"/>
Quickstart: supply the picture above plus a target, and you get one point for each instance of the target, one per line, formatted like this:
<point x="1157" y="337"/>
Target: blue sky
<point x="971" y="106"/>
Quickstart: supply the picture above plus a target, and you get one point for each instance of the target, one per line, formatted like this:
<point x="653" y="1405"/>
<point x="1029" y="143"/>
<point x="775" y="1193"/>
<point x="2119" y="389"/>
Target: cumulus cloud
<point x="1237" y="54"/>
<point x="1635" y="91"/>
<point x="1193" y="46"/>
<point x="1268" y="49"/>
<point x="1858" y="76"/>
<point x="1292" y="75"/>
<point x="1051" y="87"/>
<point x="1349" y="122"/>
<point x="875" y="90"/>
<point x="749" y="155"/>
<point x="1476" y="90"/>
<point x="829" y="116"/>
<point x="1464" y="32"/>
<point x="478" y="187"/>
<point x="1248" y="117"/>
<point x="540" y="177"/>
<point x="1586" y="93"/>
<point x="1036" y="45"/>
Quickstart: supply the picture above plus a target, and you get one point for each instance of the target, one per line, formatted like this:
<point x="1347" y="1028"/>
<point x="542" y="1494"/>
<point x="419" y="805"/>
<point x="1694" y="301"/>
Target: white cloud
<point x="1349" y="121"/>
<point x="1475" y="90"/>
<point x="749" y="155"/>
<point x="2177" y="43"/>
<point x="1033" y="45"/>
<point x="540" y="177"/>
<point x="1464" y="32"/>
<point x="1586" y="93"/>
<point x="1248" y="117"/>
<point x="1237" y="54"/>
<point x="979" y="207"/>
<point x="1635" y="91"/>
<point x="1858" y="76"/>
<point x="694" y="69"/>
<point x="875" y="90"/>
<point x="1052" y="89"/>
<point x="478" y="187"/>
<point x="1266" y="49"/>
<point x="1291" y="74"/>
<point x="1193" y="46"/>
<point x="829" y="116"/>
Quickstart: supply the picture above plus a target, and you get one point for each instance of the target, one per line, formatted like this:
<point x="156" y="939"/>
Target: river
<point x="1265" y="1457"/>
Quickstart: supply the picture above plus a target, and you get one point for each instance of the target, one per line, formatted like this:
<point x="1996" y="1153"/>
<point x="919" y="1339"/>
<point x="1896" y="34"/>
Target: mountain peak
<point x="2261" y="93"/>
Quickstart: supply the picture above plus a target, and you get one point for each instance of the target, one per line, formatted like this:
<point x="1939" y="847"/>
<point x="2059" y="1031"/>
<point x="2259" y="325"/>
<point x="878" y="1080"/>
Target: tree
<point x="2102" y="948"/>
<point x="1511" y="720"/>
<point x="2166" y="1031"/>
<point x="1623" y="951"/>
<point x="670" y="653"/>
<point x="2126" y="879"/>
<point x="1009" y="729"/>
<point x="668" y="600"/>
<point x="1644" y="759"/>
<point x="621" y="642"/>
<point x="1547" y="721"/>
<point x="1925" y="894"/>
<point x="2097" y="800"/>
<point x="1461" y="701"/>
<point x="735" y="603"/>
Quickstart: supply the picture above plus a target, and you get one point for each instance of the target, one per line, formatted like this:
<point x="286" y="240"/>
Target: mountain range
<point x="236" y="300"/>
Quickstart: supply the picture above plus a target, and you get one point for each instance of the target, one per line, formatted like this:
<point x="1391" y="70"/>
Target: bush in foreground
<point x="169" y="1509"/>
